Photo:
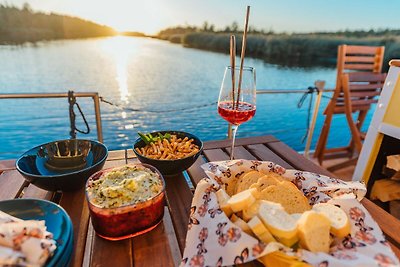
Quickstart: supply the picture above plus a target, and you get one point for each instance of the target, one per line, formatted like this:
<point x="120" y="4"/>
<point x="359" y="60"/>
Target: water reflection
<point x="120" y="50"/>
<point x="144" y="75"/>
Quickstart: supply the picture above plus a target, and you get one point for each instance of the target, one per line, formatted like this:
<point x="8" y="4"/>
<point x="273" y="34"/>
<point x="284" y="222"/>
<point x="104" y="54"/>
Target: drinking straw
<point x="246" y="23"/>
<point x="233" y="56"/>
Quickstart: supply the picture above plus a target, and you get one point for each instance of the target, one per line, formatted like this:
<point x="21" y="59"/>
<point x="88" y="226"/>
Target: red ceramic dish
<point x="130" y="220"/>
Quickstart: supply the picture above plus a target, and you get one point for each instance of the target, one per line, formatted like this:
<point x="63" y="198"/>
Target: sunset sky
<point x="150" y="16"/>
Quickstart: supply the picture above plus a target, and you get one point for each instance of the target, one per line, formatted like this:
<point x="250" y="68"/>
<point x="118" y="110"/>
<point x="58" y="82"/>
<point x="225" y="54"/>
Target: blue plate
<point x="57" y="222"/>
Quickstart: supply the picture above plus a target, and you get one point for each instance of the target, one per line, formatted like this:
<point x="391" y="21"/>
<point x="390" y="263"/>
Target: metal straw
<point x="246" y="23"/>
<point x="233" y="56"/>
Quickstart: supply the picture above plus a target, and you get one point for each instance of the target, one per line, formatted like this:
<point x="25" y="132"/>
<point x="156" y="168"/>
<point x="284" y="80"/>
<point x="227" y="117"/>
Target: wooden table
<point x="165" y="244"/>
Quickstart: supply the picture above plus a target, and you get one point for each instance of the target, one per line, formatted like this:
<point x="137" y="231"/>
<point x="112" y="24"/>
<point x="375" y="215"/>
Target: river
<point x="157" y="85"/>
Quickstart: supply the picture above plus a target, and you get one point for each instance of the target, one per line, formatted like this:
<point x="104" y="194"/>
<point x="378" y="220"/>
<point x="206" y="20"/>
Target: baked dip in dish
<point x="126" y="201"/>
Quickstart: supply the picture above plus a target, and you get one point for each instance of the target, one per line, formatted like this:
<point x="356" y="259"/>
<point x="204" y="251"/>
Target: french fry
<point x="174" y="148"/>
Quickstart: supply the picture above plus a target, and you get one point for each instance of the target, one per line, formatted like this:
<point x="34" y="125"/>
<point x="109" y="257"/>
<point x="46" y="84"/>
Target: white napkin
<point x="25" y="243"/>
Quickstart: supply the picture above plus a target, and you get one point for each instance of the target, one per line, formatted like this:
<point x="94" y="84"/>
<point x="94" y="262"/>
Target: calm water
<point x="171" y="87"/>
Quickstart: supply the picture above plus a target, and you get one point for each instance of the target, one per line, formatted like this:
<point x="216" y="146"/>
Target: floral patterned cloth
<point x="213" y="240"/>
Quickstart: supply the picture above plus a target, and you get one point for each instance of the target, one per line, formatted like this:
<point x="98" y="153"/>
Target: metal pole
<point x="229" y="131"/>
<point x="93" y="95"/>
<point x="96" y="101"/>
<point x="44" y="95"/>
<point x="320" y="85"/>
<point x="71" y="104"/>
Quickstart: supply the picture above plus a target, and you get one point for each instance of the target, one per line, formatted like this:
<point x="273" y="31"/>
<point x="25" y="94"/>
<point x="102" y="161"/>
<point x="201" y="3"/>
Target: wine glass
<point x="237" y="98"/>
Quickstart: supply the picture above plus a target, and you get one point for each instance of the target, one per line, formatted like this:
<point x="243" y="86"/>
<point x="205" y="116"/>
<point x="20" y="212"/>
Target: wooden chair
<point x="357" y="85"/>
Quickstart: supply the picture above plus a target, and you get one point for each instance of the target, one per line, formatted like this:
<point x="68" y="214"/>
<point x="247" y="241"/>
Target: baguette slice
<point x="223" y="198"/>
<point x="246" y="180"/>
<point x="340" y="223"/>
<point x="280" y="259"/>
<point x="252" y="210"/>
<point x="242" y="200"/>
<point x="287" y="194"/>
<point x="243" y="225"/>
<point x="277" y="220"/>
<point x="288" y="241"/>
<point x="260" y="230"/>
<point x="314" y="231"/>
<point x="234" y="218"/>
<point x="267" y="180"/>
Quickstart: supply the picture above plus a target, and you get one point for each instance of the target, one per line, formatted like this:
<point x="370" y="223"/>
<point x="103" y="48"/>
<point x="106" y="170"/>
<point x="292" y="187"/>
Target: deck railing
<point x="96" y="99"/>
<point x="95" y="96"/>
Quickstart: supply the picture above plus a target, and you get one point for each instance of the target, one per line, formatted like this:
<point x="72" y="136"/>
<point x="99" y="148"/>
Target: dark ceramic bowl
<point x="169" y="167"/>
<point x="62" y="165"/>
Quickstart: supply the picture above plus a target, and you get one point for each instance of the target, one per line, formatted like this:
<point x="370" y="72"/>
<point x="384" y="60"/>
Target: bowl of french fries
<point x="171" y="152"/>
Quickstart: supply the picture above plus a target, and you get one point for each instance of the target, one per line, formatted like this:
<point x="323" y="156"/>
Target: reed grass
<point x="297" y="49"/>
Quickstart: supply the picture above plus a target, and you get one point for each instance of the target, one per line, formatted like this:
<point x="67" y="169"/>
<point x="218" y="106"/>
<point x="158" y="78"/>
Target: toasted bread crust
<point x="287" y="194"/>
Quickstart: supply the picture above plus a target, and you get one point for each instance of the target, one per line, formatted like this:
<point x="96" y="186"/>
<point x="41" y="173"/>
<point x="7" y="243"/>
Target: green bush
<point x="296" y="49"/>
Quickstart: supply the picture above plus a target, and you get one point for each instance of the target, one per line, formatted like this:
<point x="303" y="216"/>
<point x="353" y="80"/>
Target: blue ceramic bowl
<point x="170" y="167"/>
<point x="57" y="222"/>
<point x="62" y="165"/>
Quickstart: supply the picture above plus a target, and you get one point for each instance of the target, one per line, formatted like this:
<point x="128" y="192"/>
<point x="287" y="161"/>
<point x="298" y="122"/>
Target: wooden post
<point x="320" y="85"/>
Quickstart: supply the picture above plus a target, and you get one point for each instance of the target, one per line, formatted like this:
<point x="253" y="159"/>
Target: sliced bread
<point x="242" y="200"/>
<point x="280" y="259"/>
<point x="267" y="180"/>
<point x="230" y="185"/>
<point x="252" y="210"/>
<point x="244" y="226"/>
<point x="277" y="220"/>
<point x="288" y="241"/>
<point x="287" y="194"/>
<point x="313" y="230"/>
<point x="246" y="180"/>
<point x="340" y="223"/>
<point x="259" y="229"/>
<point x="223" y="198"/>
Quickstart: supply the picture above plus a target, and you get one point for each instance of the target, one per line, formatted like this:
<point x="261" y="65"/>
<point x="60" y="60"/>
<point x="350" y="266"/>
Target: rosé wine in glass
<point x="237" y="102"/>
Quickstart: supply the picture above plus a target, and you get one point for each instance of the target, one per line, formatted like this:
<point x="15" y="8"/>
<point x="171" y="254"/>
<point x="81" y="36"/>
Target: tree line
<point x="24" y="25"/>
<point x="305" y="49"/>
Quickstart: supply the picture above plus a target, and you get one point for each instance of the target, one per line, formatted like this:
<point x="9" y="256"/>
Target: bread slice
<point x="288" y="241"/>
<point x="280" y="259"/>
<point x="243" y="225"/>
<point x="223" y="198"/>
<point x="242" y="200"/>
<point x="230" y="185"/>
<point x="251" y="211"/>
<point x="340" y="223"/>
<point x="277" y="220"/>
<point x="314" y="231"/>
<point x="267" y="180"/>
<point x="287" y="194"/>
<point x="246" y="180"/>
<point x="260" y="230"/>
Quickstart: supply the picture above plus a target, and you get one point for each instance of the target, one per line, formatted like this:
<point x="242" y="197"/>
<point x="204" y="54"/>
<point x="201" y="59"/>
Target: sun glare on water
<point x="120" y="50"/>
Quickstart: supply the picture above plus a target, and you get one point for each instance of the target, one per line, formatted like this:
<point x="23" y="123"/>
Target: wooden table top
<point x="165" y="244"/>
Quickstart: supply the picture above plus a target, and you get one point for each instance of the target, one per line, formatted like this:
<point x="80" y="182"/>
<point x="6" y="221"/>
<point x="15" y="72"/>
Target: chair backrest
<point x="354" y="59"/>
<point x="360" y="89"/>
<point x="358" y="58"/>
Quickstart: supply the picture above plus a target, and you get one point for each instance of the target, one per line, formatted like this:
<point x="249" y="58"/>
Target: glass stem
<point x="234" y="130"/>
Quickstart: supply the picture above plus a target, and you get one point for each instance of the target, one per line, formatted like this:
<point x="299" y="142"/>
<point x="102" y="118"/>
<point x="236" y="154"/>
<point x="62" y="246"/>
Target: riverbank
<point x="305" y="50"/>
<point x="19" y="26"/>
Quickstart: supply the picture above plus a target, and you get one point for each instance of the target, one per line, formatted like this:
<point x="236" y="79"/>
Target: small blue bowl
<point x="57" y="222"/>
<point x="62" y="165"/>
<point x="170" y="167"/>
